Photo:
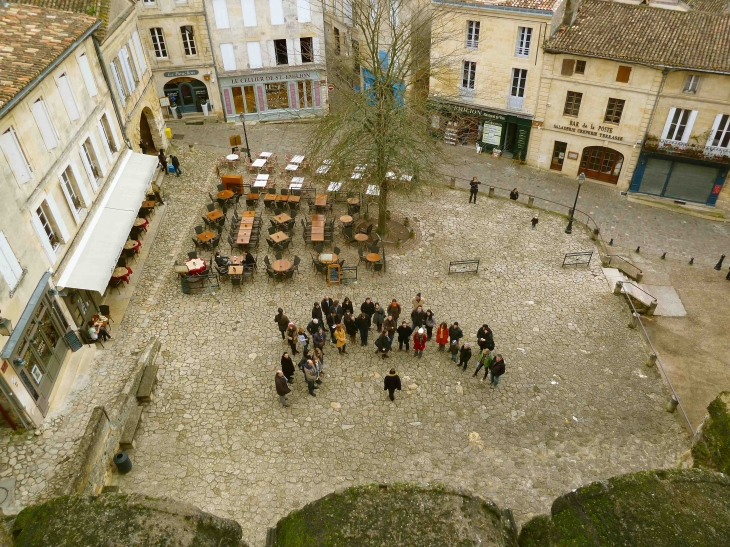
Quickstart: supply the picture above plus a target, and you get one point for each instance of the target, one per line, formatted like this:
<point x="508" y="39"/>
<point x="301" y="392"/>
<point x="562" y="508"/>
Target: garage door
<point x="655" y="176"/>
<point x="691" y="182"/>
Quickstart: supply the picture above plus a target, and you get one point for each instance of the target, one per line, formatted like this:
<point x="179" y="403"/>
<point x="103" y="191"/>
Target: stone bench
<point x="130" y="428"/>
<point x="147" y="384"/>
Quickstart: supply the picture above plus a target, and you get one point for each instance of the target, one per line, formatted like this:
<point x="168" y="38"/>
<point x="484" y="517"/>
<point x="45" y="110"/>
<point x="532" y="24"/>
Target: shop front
<point x="273" y="96"/>
<point x="185" y="91"/>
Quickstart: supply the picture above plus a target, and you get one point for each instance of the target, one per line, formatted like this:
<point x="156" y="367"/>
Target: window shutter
<point x="347" y="11"/>
<point x="229" y="58"/>
<point x="665" y="131"/>
<point x="248" y="8"/>
<point x="304" y="11"/>
<point x="99" y="161"/>
<point x="67" y="96"/>
<point x="109" y="153"/>
<point x="220" y="11"/>
<point x="140" y="53"/>
<point x="297" y="51"/>
<point x="87" y="168"/>
<point x="271" y="51"/>
<point x="688" y="128"/>
<point x="43" y="238"/>
<point x="568" y="66"/>
<point x="80" y="186"/>
<point x="14" y="154"/>
<point x="276" y="11"/>
<point x="715" y="127"/>
<point x="254" y="55"/>
<point x="87" y="75"/>
<point x="623" y="74"/>
<point x="9" y="266"/>
<point x="291" y="55"/>
<point x="58" y="219"/>
<point x="124" y="62"/>
<point x="40" y="113"/>
<point x="133" y="56"/>
<point x="70" y="202"/>
<point x="118" y="82"/>
<point x="316" y="51"/>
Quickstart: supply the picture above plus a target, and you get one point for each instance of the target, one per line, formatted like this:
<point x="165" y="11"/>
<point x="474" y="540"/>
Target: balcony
<point x="515" y="103"/>
<point x="472" y="44"/>
<point x="687" y="150"/>
<point x="466" y="93"/>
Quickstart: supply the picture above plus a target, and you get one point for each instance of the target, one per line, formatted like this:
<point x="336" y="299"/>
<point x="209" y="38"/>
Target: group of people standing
<point x="339" y="321"/>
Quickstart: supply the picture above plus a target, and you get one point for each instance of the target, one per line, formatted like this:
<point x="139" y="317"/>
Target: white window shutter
<point x="126" y="70"/>
<point x="14" y="154"/>
<point x="9" y="266"/>
<point x="715" y="127"/>
<point x="347" y="11"/>
<point x="665" y="131"/>
<point x="317" y="52"/>
<point x="291" y="56"/>
<point x="140" y="53"/>
<point x="254" y="55"/>
<point x="70" y="202"/>
<point x="109" y="153"/>
<point x="64" y="87"/>
<point x="133" y="56"/>
<point x="81" y="187"/>
<point x="58" y="219"/>
<point x="276" y="10"/>
<point x="87" y="75"/>
<point x="248" y="9"/>
<point x="271" y="51"/>
<point x="688" y="128"/>
<point x="42" y="237"/>
<point x="297" y="51"/>
<point x="118" y="82"/>
<point x="113" y="135"/>
<point x="40" y="113"/>
<point x="229" y="57"/>
<point x="304" y="11"/>
<point x="89" y="171"/>
<point x="99" y="161"/>
<point x="220" y="13"/>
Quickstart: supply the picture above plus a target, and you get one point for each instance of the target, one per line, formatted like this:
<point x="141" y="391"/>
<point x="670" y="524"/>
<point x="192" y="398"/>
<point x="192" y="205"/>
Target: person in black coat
<point x="368" y="307"/>
<point x="496" y="369"/>
<point x="391" y="382"/>
<point x="362" y="322"/>
<point x="404" y="336"/>
<point x="332" y="321"/>
<point x="383" y="345"/>
<point x="455" y="332"/>
<point x="350" y="326"/>
<point x="163" y="160"/>
<point x="418" y="317"/>
<point x="176" y="165"/>
<point x="347" y="306"/>
<point x="287" y="367"/>
<point x="317" y="312"/>
<point x="464" y="356"/>
<point x="325" y="304"/>
<point x="485" y="338"/>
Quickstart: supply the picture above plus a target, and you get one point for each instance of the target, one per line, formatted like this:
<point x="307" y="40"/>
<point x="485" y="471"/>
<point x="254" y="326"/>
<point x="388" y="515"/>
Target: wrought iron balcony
<point x="687" y="150"/>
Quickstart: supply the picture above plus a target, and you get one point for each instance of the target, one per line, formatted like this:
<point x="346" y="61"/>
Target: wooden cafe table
<point x="206" y="236"/>
<point x="282" y="218"/>
<point x="320" y="201"/>
<point x="281" y="265"/>
<point x="215" y="214"/>
<point x="225" y="194"/>
<point x="278" y="237"/>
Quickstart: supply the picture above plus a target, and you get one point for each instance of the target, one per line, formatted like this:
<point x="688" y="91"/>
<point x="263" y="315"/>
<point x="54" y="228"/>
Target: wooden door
<point x="601" y="163"/>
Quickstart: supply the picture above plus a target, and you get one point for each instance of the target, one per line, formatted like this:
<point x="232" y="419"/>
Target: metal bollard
<point x="691" y="261"/>
<point x="718" y="266"/>
<point x="530" y="201"/>
<point x="664" y="255"/>
<point x="611" y="242"/>
<point x="491" y="191"/>
<point x="452" y="184"/>
<point x="673" y="403"/>
<point x="651" y="361"/>
<point x="728" y="275"/>
<point x="639" y="277"/>
<point x="618" y="288"/>
<point x="638" y="249"/>
<point x="634" y="321"/>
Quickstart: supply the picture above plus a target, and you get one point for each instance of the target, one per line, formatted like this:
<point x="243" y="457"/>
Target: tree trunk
<point x="383" y="210"/>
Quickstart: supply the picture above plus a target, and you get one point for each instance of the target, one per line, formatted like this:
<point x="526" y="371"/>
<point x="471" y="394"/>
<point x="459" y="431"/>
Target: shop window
<point x="307" y="50"/>
<point x="690" y="86"/>
<point x="558" y="155"/>
<point x="282" y="57"/>
<point x="524" y="40"/>
<point x="238" y="102"/>
<point x="188" y="40"/>
<point x="158" y="43"/>
<point x="244" y="99"/>
<point x="305" y="94"/>
<point x="580" y="67"/>
<point x="614" y="110"/>
<point x="472" y="34"/>
<point x="572" y="103"/>
<point x="276" y="96"/>
<point x="623" y="74"/>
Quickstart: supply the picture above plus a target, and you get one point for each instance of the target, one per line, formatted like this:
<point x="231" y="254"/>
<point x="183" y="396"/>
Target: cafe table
<point x="122" y="272"/>
<point x="149" y="204"/>
<point x="235" y="260"/>
<point x="328" y="258"/>
<point x="133" y="244"/>
<point x="323" y="169"/>
<point x="345" y="219"/>
<point x="373" y="190"/>
<point x="317" y="235"/>
<point x="356" y="176"/>
<point x="320" y="201"/>
<point x="262" y="176"/>
<point x="282" y="197"/>
<point x="292" y="167"/>
<point x="235" y="270"/>
<point x="353" y="201"/>
<point x="266" y="155"/>
<point x="316" y="217"/>
<point x="225" y="194"/>
<point x="281" y="265"/>
<point x="206" y="236"/>
<point x="334" y="186"/>
<point x="141" y="223"/>
<point x="232" y="157"/>
<point x="278" y="237"/>
<point x="297" y="159"/>
<point x="282" y="218"/>
<point x="195" y="266"/>
<point x="372" y="257"/>
<point x="361" y="238"/>
<point x="251" y="214"/>
<point x="243" y="237"/>
<point x="260" y="183"/>
<point x="215" y="214"/>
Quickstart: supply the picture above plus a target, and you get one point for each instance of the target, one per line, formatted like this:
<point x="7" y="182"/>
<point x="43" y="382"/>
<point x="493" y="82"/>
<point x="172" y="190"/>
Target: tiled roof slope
<point x="694" y="40"/>
<point x="95" y="8"/>
<point x="32" y="38"/>
<point x="544" y="5"/>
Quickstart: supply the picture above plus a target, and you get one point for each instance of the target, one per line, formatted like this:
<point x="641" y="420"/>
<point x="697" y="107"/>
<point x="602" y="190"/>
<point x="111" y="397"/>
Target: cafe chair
<point x="235" y="280"/>
<point x="284" y="245"/>
<point x="196" y="241"/>
<point x="319" y="247"/>
<point x="289" y="274"/>
<point x="212" y="199"/>
<point x="378" y="267"/>
<point x="271" y="274"/>
<point x="278" y="255"/>
<point x="251" y="204"/>
<point x="221" y="187"/>
<point x="295" y="264"/>
<point x="321" y="267"/>
<point x="361" y="256"/>
<point x="273" y="229"/>
<point x="192" y="255"/>
<point x="106" y="312"/>
<point x="199" y="229"/>
<point x="210" y="207"/>
<point x="336" y="250"/>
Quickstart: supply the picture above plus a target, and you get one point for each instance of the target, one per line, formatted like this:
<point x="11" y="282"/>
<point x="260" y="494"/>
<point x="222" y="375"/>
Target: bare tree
<point x="383" y="124"/>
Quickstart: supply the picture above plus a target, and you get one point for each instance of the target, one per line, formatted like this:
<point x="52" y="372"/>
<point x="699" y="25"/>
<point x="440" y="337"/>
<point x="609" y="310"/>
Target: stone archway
<point x="149" y="132"/>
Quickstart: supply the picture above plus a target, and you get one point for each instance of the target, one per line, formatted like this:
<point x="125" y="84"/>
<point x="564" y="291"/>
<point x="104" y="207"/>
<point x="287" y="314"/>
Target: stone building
<point x="270" y="58"/>
<point x="489" y="92"/>
<point x="638" y="96"/>
<point x="63" y="163"/>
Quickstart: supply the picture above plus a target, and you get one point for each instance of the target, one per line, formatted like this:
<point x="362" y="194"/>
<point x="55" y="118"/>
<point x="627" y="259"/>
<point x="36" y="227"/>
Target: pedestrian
<point x="391" y="382"/>
<point x="464" y="356"/>
<point x="442" y="335"/>
<point x="287" y="365"/>
<point x="404" y="336"/>
<point x="368" y="307"/>
<point x="332" y="321"/>
<point x="347" y="306"/>
<point x="280" y="319"/>
<point x="496" y="370"/>
<point x="340" y="339"/>
<point x="350" y="327"/>
<point x="454" y="349"/>
<point x="534" y="221"/>
<point x="419" y="342"/>
<point x="418" y="300"/>
<point x="473" y="189"/>
<point x="318" y="339"/>
<point x="292" y="335"/>
<point x="363" y="324"/>
<point x="394" y="309"/>
<point x="485" y="360"/>
<point x="310" y="374"/>
<point x="317" y="313"/>
<point x="175" y="165"/>
<point x="383" y="345"/>
<point x="325" y="305"/>
<point x="418" y="317"/>
<point x="306" y="356"/>
<point x="514" y="195"/>
<point x="378" y="316"/>
<point x="455" y="332"/>
<point x="485" y="338"/>
<point x="143" y="146"/>
<point x="163" y="160"/>
<point x="282" y="387"/>
<point x="335" y="307"/>
<point x="390" y="326"/>
<point x="429" y="323"/>
<point x="303" y="339"/>
<point x="313" y="325"/>
<point x="318" y="360"/>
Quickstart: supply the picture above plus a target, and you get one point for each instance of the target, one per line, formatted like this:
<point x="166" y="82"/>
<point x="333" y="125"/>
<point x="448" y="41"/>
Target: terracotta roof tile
<point x="695" y="39"/>
<point x="31" y="39"/>
<point x="544" y="5"/>
<point x="95" y="8"/>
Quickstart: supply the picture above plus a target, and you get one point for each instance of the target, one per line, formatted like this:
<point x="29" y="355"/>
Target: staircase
<point x="450" y="136"/>
<point x="644" y="302"/>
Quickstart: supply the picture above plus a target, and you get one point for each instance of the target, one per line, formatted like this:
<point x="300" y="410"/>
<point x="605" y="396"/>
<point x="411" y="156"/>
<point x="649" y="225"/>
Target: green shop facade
<point x="488" y="129"/>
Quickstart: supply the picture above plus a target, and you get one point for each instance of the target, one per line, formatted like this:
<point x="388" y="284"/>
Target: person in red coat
<point x="419" y="342"/>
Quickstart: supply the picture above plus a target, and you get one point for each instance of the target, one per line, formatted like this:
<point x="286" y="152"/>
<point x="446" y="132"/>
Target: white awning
<point x="94" y="259"/>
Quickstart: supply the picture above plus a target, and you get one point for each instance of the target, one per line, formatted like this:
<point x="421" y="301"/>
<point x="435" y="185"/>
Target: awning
<point x="93" y="261"/>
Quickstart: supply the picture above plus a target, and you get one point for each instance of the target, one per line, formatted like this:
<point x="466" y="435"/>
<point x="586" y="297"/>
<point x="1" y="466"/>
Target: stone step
<point x="130" y="428"/>
<point x="147" y="384"/>
<point x="612" y="275"/>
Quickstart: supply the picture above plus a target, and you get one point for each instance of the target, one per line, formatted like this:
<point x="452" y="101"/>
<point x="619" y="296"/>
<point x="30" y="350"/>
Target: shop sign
<point x="590" y="129"/>
<point x="269" y="78"/>
<point x="492" y="134"/>
<point x="178" y="73"/>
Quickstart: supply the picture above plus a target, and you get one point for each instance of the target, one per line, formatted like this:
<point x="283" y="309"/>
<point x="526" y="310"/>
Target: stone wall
<point x="711" y="443"/>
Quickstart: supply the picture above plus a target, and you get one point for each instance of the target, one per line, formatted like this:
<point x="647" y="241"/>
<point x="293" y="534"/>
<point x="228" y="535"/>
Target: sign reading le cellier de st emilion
<point x="593" y="130"/>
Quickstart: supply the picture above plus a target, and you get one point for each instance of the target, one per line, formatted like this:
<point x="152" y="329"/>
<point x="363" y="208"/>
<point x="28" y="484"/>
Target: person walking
<point x="340" y="339"/>
<point x="485" y="360"/>
<point x="282" y="387"/>
<point x="418" y="317"/>
<point x="287" y="366"/>
<point x="534" y="221"/>
<point x="292" y="336"/>
<point x="464" y="356"/>
<point x="332" y="321"/>
<point x="394" y="309"/>
<point x="163" y="160"/>
<point x="350" y="327"/>
<point x="318" y="361"/>
<point x="473" y="189"/>
<point x="303" y="339"/>
<point x="282" y="321"/>
<point x="496" y="370"/>
<point x="390" y="326"/>
<point x="363" y="325"/>
<point x="391" y="382"/>
<point x="419" y="342"/>
<point x="454" y="349"/>
<point x="143" y="146"/>
<point x="368" y="307"/>
<point x="455" y="332"/>
<point x="378" y="317"/>
<point x="175" y="165"/>
<point x="347" y="306"/>
<point x="429" y="323"/>
<point x="383" y="345"/>
<point x="485" y="338"/>
<point x="317" y="313"/>
<point x="514" y="195"/>
<point x="325" y="305"/>
<point x="418" y="300"/>
<point x="404" y="336"/>
<point x="310" y="374"/>
<point x="442" y="336"/>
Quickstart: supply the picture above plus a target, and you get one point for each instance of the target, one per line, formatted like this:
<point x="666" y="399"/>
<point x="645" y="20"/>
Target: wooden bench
<point x="147" y="384"/>
<point x="130" y="428"/>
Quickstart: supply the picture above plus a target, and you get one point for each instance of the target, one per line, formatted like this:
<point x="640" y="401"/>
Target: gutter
<point x="504" y="9"/>
<point x="46" y="71"/>
<point x="100" y="57"/>
<point x="656" y="102"/>
<point x="215" y="63"/>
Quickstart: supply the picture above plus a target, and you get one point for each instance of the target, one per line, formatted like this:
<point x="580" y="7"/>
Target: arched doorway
<point x="601" y="163"/>
<point x="146" y="136"/>
<point x="188" y="94"/>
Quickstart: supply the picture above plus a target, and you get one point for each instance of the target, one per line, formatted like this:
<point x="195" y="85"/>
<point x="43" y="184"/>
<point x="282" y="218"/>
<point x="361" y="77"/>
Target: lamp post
<point x="581" y="180"/>
<point x="245" y="136"/>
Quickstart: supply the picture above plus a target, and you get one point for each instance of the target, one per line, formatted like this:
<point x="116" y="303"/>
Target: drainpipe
<point x="215" y="63"/>
<point x="122" y="126"/>
<point x="656" y="102"/>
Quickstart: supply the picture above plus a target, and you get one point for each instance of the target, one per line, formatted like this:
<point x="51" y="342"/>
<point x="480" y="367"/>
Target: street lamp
<point x="245" y="136"/>
<point x="581" y="180"/>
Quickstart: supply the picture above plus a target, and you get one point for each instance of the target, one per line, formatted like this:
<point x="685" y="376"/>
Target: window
<point x="108" y="135"/>
<point x="220" y="12"/>
<point x="468" y="75"/>
<point x="229" y="57"/>
<point x="678" y="122"/>
<point x="149" y="3"/>
<point x="572" y="103"/>
<point x="614" y="110"/>
<point x="249" y="13"/>
<point x="276" y="97"/>
<point x="244" y="99"/>
<point x="130" y="78"/>
<point x="305" y="93"/>
<point x="337" y="40"/>
<point x="87" y="74"/>
<point x="276" y="11"/>
<point x="524" y="39"/>
<point x="64" y="87"/>
<point x="158" y="42"/>
<point x="580" y="67"/>
<point x="356" y="55"/>
<point x="721" y="135"/>
<point x="254" y="55"/>
<point x="623" y="74"/>
<point x="45" y="126"/>
<point x="690" y="86"/>
<point x="119" y="78"/>
<point x="307" y="50"/>
<point x="517" y="89"/>
<point x="43" y="215"/>
<point x="558" y="155"/>
<point x="68" y="185"/>
<point x="137" y="71"/>
<point x="90" y="161"/>
<point x="140" y="53"/>
<point x="304" y="11"/>
<point x="16" y="157"/>
<point x="568" y="67"/>
<point x="472" y="34"/>
<point x="280" y="50"/>
<point x="9" y="266"/>
<point x="188" y="40"/>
